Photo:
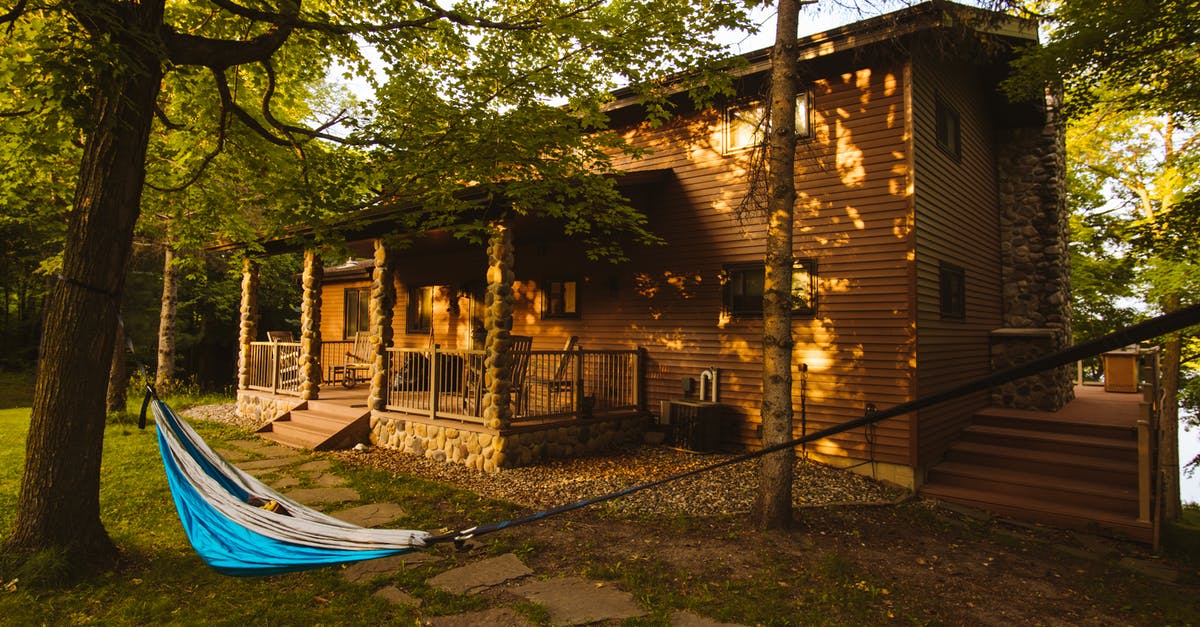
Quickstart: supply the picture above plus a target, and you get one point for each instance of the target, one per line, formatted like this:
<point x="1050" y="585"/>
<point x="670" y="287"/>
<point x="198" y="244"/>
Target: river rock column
<point x="248" y="320"/>
<point x="1034" y="233"/>
<point x="383" y="300"/>
<point x="310" y="326"/>
<point x="498" y="320"/>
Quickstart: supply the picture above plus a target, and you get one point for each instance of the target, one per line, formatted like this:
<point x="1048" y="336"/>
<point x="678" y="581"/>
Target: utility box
<point x="694" y="425"/>
<point x="1121" y="371"/>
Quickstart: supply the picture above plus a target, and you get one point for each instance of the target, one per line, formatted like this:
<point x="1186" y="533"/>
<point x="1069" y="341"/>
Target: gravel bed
<point x="726" y="490"/>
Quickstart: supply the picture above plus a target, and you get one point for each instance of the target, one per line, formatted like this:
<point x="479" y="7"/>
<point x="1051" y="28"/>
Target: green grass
<point x="161" y="580"/>
<point x="16" y="389"/>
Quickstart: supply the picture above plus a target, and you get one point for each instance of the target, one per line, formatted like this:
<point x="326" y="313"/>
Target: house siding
<point x="957" y="221"/>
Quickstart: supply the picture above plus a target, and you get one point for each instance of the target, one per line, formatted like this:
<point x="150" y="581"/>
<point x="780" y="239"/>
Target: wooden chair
<point x="289" y="361"/>
<point x="358" y="361"/>
<point x="562" y="380"/>
<point x="473" y="378"/>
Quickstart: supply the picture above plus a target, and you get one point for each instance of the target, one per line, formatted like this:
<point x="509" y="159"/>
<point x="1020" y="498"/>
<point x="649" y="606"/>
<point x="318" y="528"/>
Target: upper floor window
<point x="744" y="122"/>
<point x="560" y="299"/>
<point x="419" y="314"/>
<point x="356" y="311"/>
<point x="949" y="129"/>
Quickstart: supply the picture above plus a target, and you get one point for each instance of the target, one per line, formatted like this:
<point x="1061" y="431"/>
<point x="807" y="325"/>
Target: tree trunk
<point x="118" y="382"/>
<point x="166" y="321"/>
<point x="1168" y="425"/>
<point x="59" y="504"/>
<point x="773" y="505"/>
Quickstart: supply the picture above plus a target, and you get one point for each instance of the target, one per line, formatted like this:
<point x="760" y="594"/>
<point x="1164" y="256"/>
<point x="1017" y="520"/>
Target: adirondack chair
<point x="358" y="362"/>
<point x="561" y="381"/>
<point x="473" y="379"/>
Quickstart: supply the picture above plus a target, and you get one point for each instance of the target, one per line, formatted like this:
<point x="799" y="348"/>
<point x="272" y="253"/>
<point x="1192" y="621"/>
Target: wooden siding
<point x="854" y="217"/>
<point x="957" y="221"/>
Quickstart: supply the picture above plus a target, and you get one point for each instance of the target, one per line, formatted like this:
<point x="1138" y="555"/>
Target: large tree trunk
<point x="773" y="505"/>
<point x="59" y="504"/>
<point x="166" y="320"/>
<point x="1168" y="437"/>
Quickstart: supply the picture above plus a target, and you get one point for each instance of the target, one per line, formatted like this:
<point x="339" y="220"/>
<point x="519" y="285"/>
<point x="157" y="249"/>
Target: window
<point x="744" y="122"/>
<point x="560" y="299"/>
<point x="953" y="288"/>
<point x="419" y="318"/>
<point x="356" y="311"/>
<point x="745" y="285"/>
<point x="948" y="128"/>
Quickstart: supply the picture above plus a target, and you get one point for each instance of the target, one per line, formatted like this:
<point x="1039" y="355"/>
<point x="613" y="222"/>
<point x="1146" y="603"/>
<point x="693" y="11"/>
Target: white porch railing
<point x="275" y="367"/>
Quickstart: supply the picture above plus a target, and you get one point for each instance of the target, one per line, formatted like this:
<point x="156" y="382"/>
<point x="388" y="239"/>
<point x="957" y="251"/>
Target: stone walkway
<point x="505" y="578"/>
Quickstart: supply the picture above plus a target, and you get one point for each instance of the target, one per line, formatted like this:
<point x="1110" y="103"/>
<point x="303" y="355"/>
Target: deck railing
<point x="275" y="367"/>
<point x="554" y="384"/>
<point x="333" y="357"/>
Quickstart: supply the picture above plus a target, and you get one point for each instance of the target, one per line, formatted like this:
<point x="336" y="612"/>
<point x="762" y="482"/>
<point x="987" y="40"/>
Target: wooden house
<point x="930" y="248"/>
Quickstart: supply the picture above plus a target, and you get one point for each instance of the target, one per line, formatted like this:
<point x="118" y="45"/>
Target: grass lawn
<point x="162" y="580"/>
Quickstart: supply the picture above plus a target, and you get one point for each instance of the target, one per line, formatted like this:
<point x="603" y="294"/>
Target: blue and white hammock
<point x="236" y="537"/>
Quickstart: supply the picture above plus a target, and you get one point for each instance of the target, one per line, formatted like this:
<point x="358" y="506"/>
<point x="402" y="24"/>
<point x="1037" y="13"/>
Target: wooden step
<point x="1068" y="443"/>
<point x="1044" y="512"/>
<point x="1049" y="423"/>
<point x="320" y="426"/>
<point x="1118" y="471"/>
<point x="288" y="434"/>
<point x="1040" y="486"/>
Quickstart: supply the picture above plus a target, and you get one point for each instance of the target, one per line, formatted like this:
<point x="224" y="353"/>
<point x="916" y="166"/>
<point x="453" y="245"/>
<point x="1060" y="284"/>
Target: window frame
<point x="804" y="120"/>
<point x="952" y="291"/>
<point x="731" y="272"/>
<point x="548" y="298"/>
<point x="361" y="299"/>
<point x="418" y="295"/>
<point x="811" y="265"/>
<point x="947" y="127"/>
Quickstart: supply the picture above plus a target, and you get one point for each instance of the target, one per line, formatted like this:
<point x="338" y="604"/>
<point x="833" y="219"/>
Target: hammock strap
<point x="1149" y="329"/>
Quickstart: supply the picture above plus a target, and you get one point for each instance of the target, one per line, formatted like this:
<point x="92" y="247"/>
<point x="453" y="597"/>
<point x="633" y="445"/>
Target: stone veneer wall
<point x="482" y="449"/>
<point x="261" y="409"/>
<point x="1034" y="232"/>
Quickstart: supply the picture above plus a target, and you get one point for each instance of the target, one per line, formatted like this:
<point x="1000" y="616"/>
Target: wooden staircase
<point x="320" y="426"/>
<point x="1044" y="468"/>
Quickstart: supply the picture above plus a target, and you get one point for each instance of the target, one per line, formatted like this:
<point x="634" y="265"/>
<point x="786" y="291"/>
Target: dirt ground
<point x="915" y="562"/>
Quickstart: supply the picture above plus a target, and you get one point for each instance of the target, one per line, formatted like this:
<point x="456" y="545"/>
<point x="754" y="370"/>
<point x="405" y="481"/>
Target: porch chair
<point x="562" y="380"/>
<point x="358" y="361"/>
<point x="474" y="376"/>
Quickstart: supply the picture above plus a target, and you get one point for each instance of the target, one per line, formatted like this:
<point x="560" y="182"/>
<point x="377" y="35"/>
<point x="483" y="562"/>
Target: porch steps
<point x="320" y="426"/>
<point x="1038" y="468"/>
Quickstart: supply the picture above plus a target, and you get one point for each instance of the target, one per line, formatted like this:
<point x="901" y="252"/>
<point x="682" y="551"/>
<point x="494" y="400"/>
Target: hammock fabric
<point x="234" y="536"/>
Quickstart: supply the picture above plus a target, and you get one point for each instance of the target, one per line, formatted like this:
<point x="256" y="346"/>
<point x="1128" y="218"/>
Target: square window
<point x="744" y="289"/>
<point x="419" y="314"/>
<point x="560" y="299"/>
<point x="953" y="289"/>
<point x="356" y="311"/>
<point x="804" y="286"/>
<point x="949" y="128"/>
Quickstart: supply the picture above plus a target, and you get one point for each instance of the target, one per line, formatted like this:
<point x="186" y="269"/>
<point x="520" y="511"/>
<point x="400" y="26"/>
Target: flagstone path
<point x="507" y="580"/>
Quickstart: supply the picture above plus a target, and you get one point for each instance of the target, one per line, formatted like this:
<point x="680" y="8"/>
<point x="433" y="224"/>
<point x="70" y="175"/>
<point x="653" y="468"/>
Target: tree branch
<point x="229" y="106"/>
<point x="11" y="17"/>
<point x="186" y="49"/>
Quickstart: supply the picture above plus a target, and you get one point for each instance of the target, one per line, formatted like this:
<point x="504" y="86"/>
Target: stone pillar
<point x="383" y="300"/>
<point x="310" y="326"/>
<point x="1034" y="233"/>
<point x="248" y="320"/>
<point x="498" y="320"/>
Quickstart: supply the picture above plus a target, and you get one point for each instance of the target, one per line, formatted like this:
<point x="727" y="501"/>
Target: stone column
<point x="383" y="300"/>
<point x="248" y="322"/>
<point x="310" y="326"/>
<point x="1034" y="233"/>
<point x="498" y="320"/>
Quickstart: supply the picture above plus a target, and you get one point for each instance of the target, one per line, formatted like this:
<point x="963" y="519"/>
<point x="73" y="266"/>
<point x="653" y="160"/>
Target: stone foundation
<point x="1048" y="390"/>
<point x="260" y="409"/>
<point x="482" y="449"/>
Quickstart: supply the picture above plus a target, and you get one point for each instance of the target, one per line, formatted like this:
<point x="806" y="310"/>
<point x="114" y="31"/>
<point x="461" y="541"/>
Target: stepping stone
<point x="285" y="483"/>
<point x="495" y="617"/>
<point x="688" y="619"/>
<point x="575" y="601"/>
<point x="264" y="448"/>
<point x="330" y="481"/>
<point x="317" y="465"/>
<point x="396" y="596"/>
<point x="365" y="571"/>
<point x="371" y="515"/>
<point x="479" y="576"/>
<point x="313" y="496"/>
<point x="233" y="455"/>
<point x="265" y="464"/>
